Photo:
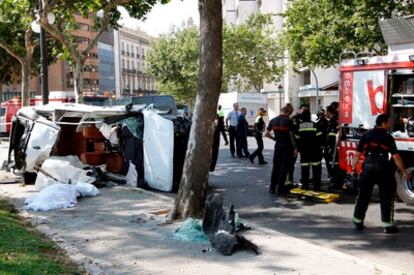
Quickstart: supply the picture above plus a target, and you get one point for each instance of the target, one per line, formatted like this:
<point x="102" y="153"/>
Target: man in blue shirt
<point x="233" y="118"/>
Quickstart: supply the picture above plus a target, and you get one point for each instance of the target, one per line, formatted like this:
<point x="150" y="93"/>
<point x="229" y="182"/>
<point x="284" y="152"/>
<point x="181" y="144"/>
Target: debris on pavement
<point x="221" y="229"/>
<point x="191" y="231"/>
<point x="8" y="178"/>
<point x="67" y="169"/>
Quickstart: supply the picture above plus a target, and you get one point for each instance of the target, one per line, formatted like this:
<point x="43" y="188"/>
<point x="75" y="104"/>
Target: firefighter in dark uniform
<point x="259" y="127"/>
<point x="322" y="126"/>
<point x="308" y="141"/>
<point x="330" y="154"/>
<point x="285" y="149"/>
<point x="376" y="145"/>
<point x="296" y="119"/>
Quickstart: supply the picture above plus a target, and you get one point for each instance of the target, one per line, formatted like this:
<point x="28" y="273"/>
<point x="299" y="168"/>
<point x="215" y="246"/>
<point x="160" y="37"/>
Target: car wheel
<point x="405" y="189"/>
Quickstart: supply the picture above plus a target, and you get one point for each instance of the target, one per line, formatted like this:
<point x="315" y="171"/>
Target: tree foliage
<point x="251" y="55"/>
<point x="9" y="69"/>
<point x="16" y="38"/>
<point x="173" y="61"/>
<point x="317" y="32"/>
<point x="105" y="14"/>
<point x="20" y="57"/>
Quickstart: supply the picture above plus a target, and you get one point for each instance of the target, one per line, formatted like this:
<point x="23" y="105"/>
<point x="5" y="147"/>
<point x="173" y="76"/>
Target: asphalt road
<point x="246" y="186"/>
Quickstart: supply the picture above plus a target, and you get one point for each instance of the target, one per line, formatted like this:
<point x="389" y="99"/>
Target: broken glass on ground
<point x="221" y="229"/>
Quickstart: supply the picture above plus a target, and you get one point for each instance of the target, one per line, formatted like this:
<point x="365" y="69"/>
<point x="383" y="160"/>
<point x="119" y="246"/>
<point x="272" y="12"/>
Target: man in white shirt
<point x="233" y="117"/>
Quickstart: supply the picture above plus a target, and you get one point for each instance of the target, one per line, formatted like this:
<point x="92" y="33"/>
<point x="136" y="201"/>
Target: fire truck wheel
<point x="405" y="189"/>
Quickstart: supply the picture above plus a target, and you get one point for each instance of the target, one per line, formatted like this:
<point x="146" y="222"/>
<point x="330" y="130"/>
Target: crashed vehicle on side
<point x="111" y="137"/>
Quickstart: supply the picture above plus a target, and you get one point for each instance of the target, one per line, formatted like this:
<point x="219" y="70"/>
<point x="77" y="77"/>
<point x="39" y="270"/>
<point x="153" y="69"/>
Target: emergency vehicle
<point x="8" y="109"/>
<point x="250" y="101"/>
<point x="373" y="85"/>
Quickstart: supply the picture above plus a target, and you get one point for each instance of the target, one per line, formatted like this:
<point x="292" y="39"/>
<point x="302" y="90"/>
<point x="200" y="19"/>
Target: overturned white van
<point x="113" y="138"/>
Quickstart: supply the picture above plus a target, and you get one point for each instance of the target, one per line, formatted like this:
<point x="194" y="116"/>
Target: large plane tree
<point x="191" y="195"/>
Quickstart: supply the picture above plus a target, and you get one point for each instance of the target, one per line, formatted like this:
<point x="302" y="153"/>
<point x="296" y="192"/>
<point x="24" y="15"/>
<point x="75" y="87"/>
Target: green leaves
<point x="251" y="55"/>
<point x="316" y="32"/>
<point x="173" y="61"/>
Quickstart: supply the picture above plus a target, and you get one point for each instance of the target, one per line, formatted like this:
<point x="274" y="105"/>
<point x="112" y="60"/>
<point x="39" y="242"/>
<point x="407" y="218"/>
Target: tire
<point x="405" y="189"/>
<point x="29" y="178"/>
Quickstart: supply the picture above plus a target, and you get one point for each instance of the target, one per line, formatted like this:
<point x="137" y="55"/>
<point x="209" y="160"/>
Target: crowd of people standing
<point x="314" y="141"/>
<point x="293" y="135"/>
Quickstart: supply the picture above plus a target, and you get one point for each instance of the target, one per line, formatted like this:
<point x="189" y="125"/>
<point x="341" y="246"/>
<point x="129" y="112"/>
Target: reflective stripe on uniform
<point x="296" y="136"/>
<point x="305" y="164"/>
<point x="318" y="134"/>
<point x="316" y="163"/>
<point x="332" y="134"/>
<point x="356" y="220"/>
<point x="388" y="224"/>
<point x="307" y="130"/>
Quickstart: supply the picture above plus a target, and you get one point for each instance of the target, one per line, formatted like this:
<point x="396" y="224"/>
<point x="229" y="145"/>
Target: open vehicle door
<point x="31" y="140"/>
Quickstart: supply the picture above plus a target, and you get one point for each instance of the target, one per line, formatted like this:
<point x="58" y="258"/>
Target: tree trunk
<point x="191" y="195"/>
<point x="26" y="72"/>
<point x="1" y="89"/>
<point x="78" y="81"/>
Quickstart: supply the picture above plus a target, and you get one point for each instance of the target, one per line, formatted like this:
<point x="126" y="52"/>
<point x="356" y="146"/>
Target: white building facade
<point x="293" y="87"/>
<point x="131" y="48"/>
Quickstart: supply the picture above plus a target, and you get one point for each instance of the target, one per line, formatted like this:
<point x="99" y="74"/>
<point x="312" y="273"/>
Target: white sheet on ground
<point x="158" y="151"/>
<point x="42" y="139"/>
<point x="59" y="195"/>
<point x="66" y="169"/>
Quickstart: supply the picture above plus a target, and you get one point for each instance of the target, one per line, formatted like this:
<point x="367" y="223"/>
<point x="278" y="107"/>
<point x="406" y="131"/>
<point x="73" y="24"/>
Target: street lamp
<point x="280" y="90"/>
<point x="36" y="27"/>
<point x="317" y="90"/>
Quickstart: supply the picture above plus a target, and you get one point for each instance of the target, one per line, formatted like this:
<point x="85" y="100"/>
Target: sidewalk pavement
<point x="115" y="233"/>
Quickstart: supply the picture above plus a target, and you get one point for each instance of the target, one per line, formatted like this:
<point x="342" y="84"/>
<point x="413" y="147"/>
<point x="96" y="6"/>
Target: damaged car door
<point x="31" y="140"/>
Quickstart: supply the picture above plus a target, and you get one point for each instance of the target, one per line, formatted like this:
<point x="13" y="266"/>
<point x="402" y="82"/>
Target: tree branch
<point x="11" y="51"/>
<point x="66" y="42"/>
<point x="104" y="25"/>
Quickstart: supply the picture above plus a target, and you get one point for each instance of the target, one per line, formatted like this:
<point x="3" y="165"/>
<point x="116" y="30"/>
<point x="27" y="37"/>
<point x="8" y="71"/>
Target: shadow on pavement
<point x="246" y="186"/>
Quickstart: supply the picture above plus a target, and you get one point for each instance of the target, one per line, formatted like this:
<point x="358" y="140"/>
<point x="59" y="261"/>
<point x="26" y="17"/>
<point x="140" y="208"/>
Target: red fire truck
<point x="373" y="85"/>
<point x="7" y="110"/>
<point x="10" y="107"/>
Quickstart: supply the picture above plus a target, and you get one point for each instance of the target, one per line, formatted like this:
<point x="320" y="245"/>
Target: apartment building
<point x="131" y="48"/>
<point x="61" y="77"/>
<point x="314" y="88"/>
<point x="116" y="65"/>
